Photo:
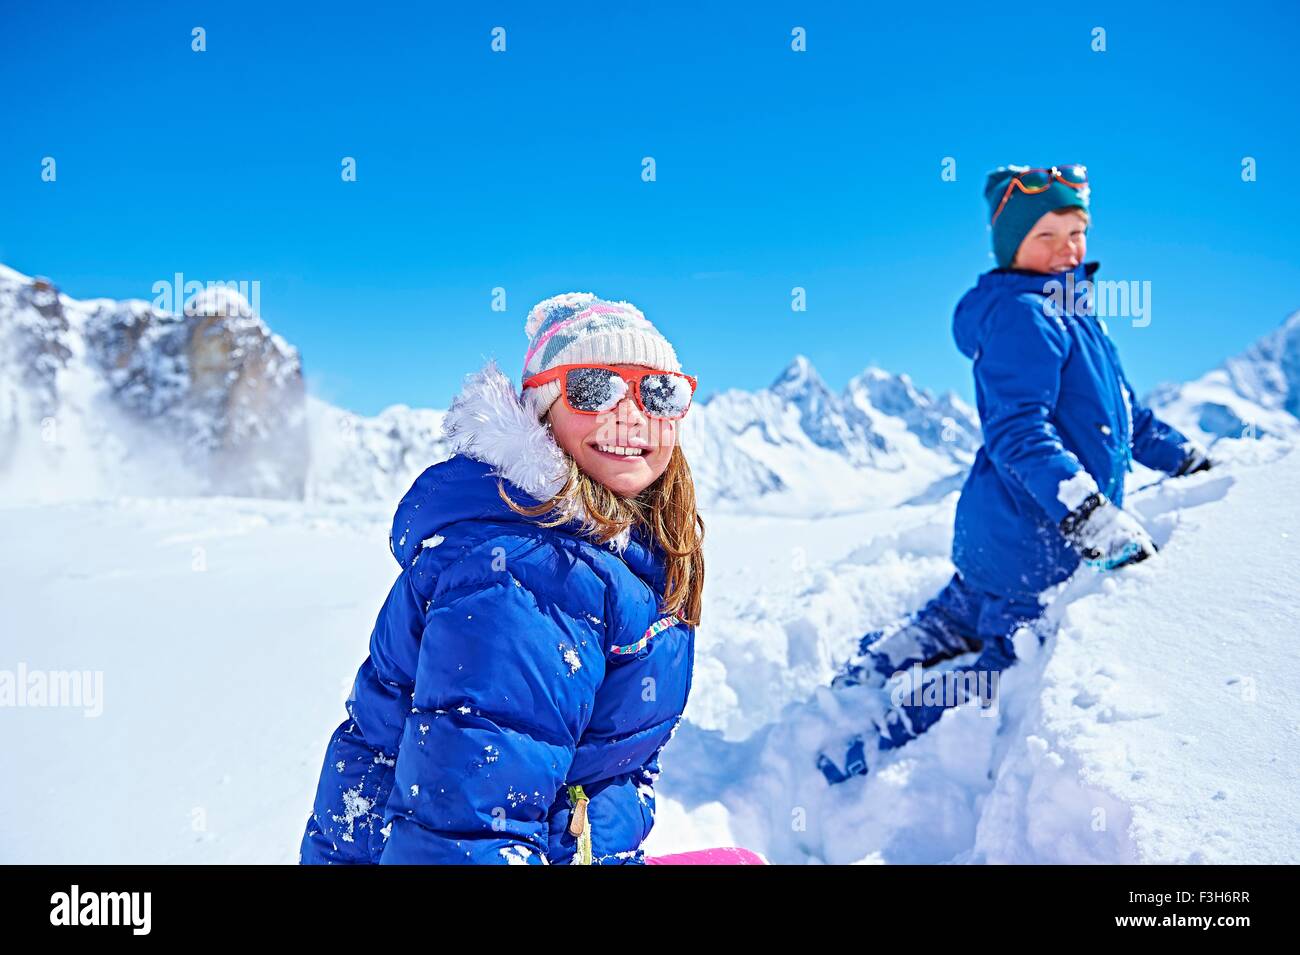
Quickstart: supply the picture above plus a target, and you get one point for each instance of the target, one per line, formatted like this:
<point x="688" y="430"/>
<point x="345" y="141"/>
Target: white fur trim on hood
<point x="489" y="423"/>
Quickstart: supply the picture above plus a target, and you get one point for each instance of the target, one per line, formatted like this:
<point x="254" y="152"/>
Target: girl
<point x="535" y="654"/>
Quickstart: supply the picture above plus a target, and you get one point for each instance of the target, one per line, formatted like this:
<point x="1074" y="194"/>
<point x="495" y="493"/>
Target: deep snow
<point x="226" y="631"/>
<point x="1154" y="727"/>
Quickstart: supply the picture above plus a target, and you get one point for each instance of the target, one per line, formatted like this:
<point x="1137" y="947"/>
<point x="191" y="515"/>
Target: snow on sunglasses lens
<point x="592" y="389"/>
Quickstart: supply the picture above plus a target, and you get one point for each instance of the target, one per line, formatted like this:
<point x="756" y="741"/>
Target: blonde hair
<point x="665" y="511"/>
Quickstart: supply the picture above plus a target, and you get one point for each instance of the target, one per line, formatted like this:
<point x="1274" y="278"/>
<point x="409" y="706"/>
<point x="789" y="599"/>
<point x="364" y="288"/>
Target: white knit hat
<point x="578" y="327"/>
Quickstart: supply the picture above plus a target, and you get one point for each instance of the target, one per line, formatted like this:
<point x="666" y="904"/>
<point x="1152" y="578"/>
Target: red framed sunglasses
<point x="596" y="389"/>
<point x="1032" y="181"/>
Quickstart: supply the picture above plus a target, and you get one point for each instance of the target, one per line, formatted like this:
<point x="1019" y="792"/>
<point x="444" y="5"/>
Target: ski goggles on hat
<point x="595" y="389"/>
<point x="1033" y="181"/>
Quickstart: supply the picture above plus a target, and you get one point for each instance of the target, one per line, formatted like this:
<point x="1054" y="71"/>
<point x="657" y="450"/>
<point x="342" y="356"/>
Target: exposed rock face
<point x="221" y="393"/>
<point x="37" y="344"/>
<point x="34" y="350"/>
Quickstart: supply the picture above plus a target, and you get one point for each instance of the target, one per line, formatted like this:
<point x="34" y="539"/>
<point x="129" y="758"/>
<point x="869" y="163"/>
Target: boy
<point x="1061" y="427"/>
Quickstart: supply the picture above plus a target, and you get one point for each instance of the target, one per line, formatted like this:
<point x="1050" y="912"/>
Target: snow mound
<point x="1154" y="726"/>
<point x="1163" y="731"/>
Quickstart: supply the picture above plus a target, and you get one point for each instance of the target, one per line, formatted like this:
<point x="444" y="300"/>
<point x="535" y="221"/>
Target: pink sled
<point x="727" y="855"/>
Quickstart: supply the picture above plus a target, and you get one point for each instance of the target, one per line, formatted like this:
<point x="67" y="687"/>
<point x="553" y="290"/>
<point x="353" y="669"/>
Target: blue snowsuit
<point x="1053" y="402"/>
<point x="508" y="662"/>
<point x="1060" y="421"/>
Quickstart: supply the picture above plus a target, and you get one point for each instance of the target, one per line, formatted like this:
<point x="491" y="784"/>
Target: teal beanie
<point x="1022" y="211"/>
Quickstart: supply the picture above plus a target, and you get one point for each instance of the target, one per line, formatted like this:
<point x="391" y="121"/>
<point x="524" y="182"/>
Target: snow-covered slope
<point x="1168" y="698"/>
<point x="1252" y="394"/>
<point x="1155" y="726"/>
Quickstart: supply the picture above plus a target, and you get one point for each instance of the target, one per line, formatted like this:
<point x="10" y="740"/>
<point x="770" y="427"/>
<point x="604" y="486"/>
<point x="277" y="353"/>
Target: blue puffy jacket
<point x="1060" y="421"/>
<point x="509" y="662"/>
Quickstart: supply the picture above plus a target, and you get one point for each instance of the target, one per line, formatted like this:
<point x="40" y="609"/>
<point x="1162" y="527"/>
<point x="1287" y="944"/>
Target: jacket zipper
<point x="579" y="827"/>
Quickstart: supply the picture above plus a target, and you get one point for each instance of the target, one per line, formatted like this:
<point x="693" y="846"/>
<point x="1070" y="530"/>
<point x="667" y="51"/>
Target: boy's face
<point x="1056" y="243"/>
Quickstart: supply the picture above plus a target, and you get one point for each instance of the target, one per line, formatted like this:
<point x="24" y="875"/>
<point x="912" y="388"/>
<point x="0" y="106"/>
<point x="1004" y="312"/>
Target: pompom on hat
<point x="578" y="327"/>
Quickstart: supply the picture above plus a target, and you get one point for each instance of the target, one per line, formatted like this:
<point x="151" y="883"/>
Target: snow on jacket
<point x="1060" y="421"/>
<point x="509" y="662"/>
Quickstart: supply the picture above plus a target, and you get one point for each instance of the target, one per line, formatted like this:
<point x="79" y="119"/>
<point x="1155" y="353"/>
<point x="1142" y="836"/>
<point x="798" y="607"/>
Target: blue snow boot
<point x="898" y="730"/>
<point x="943" y="628"/>
<point x="855" y="763"/>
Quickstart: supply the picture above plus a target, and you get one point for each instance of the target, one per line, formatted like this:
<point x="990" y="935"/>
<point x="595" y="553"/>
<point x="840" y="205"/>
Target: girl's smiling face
<point x="1057" y="242"/>
<point x="621" y="448"/>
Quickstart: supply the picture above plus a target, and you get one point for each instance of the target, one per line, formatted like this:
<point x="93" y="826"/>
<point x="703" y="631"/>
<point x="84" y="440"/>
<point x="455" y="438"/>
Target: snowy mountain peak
<point x="799" y="377"/>
<point x="221" y="301"/>
<point x="872" y="372"/>
<point x="945" y="422"/>
<point x="798" y="446"/>
<point x="1253" y="394"/>
<point x="1269" y="371"/>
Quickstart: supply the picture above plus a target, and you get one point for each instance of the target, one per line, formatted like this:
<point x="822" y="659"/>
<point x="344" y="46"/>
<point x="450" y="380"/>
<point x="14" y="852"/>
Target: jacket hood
<point x="976" y="304"/>
<point x="493" y="436"/>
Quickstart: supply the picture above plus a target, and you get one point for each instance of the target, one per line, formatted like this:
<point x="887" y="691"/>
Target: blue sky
<point x="522" y="170"/>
